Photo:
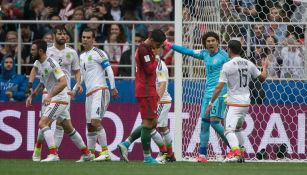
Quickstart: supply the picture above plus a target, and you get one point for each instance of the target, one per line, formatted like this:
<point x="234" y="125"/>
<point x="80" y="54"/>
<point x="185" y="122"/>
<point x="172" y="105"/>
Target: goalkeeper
<point x="213" y="58"/>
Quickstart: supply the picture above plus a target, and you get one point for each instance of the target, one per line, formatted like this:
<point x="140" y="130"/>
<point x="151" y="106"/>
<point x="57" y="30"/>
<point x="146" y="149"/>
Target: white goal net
<point x="275" y="127"/>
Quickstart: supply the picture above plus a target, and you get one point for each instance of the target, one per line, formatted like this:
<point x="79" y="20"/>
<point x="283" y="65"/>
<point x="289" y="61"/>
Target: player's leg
<point x="91" y="132"/>
<point x="149" y="116"/>
<point x="74" y="135"/>
<point x="50" y="115"/>
<point x="100" y="103"/>
<point x="156" y="136"/>
<point x="204" y="133"/>
<point x="58" y="134"/>
<point x="233" y="119"/>
<point x="216" y="116"/>
<point x="36" y="157"/>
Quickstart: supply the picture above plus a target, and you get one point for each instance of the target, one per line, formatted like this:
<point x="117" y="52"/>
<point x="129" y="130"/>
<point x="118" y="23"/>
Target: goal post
<point x="275" y="126"/>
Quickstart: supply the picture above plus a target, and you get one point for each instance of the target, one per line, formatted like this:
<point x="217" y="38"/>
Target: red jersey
<point x="145" y="77"/>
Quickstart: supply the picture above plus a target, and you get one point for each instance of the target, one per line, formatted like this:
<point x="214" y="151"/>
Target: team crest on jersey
<point x="68" y="56"/>
<point x="46" y="71"/>
<point x="90" y="58"/>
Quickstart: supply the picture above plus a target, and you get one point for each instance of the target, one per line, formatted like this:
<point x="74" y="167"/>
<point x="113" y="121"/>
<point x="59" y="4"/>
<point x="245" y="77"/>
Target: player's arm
<point x="61" y="84"/>
<point x="264" y="73"/>
<point x="38" y="90"/>
<point x="32" y="76"/>
<point x="78" y="86"/>
<point x="184" y="50"/>
<point x="147" y="63"/>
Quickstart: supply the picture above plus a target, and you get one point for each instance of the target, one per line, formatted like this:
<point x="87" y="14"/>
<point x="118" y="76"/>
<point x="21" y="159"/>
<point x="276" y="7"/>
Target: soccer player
<point x="146" y="94"/>
<point x="237" y="74"/>
<point x="214" y="58"/>
<point x="94" y="62"/>
<point x="164" y="105"/>
<point x="56" y="102"/>
<point x="68" y="61"/>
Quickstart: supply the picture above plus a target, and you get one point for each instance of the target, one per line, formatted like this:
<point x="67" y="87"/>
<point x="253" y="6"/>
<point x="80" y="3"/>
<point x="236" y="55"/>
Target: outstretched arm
<point x="184" y="50"/>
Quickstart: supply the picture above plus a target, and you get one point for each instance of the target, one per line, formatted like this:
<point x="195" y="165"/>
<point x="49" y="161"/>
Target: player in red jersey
<point x="146" y="94"/>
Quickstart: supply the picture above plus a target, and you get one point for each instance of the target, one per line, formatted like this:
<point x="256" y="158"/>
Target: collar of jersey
<point x="212" y="55"/>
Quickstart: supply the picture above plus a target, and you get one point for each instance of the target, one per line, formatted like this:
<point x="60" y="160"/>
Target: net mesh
<point x="275" y="127"/>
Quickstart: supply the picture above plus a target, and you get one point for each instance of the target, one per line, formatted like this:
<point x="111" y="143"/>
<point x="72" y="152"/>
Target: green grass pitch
<point x="65" y="167"/>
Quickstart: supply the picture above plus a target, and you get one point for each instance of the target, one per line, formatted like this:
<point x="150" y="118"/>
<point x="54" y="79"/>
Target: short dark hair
<point x="41" y="44"/>
<point x="89" y="30"/>
<point x="235" y="47"/>
<point x="59" y="28"/>
<point x="210" y="34"/>
<point x="158" y="35"/>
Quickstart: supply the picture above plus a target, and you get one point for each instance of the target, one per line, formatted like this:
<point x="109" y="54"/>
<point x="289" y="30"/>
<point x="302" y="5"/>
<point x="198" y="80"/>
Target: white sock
<point x="232" y="139"/>
<point x="48" y="135"/>
<point x="167" y="137"/>
<point x="240" y="138"/>
<point x="77" y="139"/>
<point x="58" y="135"/>
<point x="157" y="138"/>
<point x="40" y="136"/>
<point x="102" y="138"/>
<point x="91" y="140"/>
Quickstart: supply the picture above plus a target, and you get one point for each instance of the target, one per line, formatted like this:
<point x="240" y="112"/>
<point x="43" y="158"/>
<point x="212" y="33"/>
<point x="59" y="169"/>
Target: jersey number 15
<point x="243" y="77"/>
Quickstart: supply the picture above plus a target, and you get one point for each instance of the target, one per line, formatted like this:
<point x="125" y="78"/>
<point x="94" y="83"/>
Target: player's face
<point x="155" y="44"/>
<point x="34" y="52"/>
<point x="60" y="37"/>
<point x="87" y="40"/>
<point x="212" y="44"/>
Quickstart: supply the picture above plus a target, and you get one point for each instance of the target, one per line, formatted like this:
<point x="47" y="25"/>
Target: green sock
<point x="220" y="130"/>
<point x="146" y="138"/>
<point x="135" y="134"/>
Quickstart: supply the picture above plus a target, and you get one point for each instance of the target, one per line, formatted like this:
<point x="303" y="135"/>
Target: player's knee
<point x="95" y="124"/>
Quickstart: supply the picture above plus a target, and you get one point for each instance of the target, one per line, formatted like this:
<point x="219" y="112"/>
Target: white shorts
<point x="234" y="117"/>
<point x="162" y="111"/>
<point x="96" y="104"/>
<point x="67" y="117"/>
<point x="57" y="111"/>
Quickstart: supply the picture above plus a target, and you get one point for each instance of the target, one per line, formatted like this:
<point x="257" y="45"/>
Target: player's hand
<point x="29" y="101"/>
<point x="9" y="94"/>
<point x="72" y="94"/>
<point x="208" y="110"/>
<point x="264" y="63"/>
<point x="79" y="88"/>
<point x="114" y="93"/>
<point x="167" y="44"/>
<point x="47" y="100"/>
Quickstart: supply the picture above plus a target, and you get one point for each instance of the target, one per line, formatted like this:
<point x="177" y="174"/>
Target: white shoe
<point x="104" y="156"/>
<point x="161" y="157"/>
<point x="86" y="158"/>
<point x="51" y="158"/>
<point x="36" y="156"/>
<point x="123" y="151"/>
<point x="231" y="159"/>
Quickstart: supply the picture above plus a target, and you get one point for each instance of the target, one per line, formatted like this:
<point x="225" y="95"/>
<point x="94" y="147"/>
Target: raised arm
<point x="184" y="50"/>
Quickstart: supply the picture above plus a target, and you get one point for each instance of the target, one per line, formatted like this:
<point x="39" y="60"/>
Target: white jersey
<point x="237" y="74"/>
<point x="51" y="72"/>
<point x="67" y="59"/>
<point x="162" y="76"/>
<point x="91" y="69"/>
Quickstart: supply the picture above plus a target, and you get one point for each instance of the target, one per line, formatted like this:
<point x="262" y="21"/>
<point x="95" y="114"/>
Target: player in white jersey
<point x="165" y="103"/>
<point x="67" y="58"/>
<point x="57" y="100"/>
<point x="94" y="63"/>
<point x="237" y="73"/>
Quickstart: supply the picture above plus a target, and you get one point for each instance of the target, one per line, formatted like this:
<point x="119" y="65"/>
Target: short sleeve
<point x="99" y="56"/>
<point x="57" y="71"/>
<point x="35" y="64"/>
<point x="223" y="74"/>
